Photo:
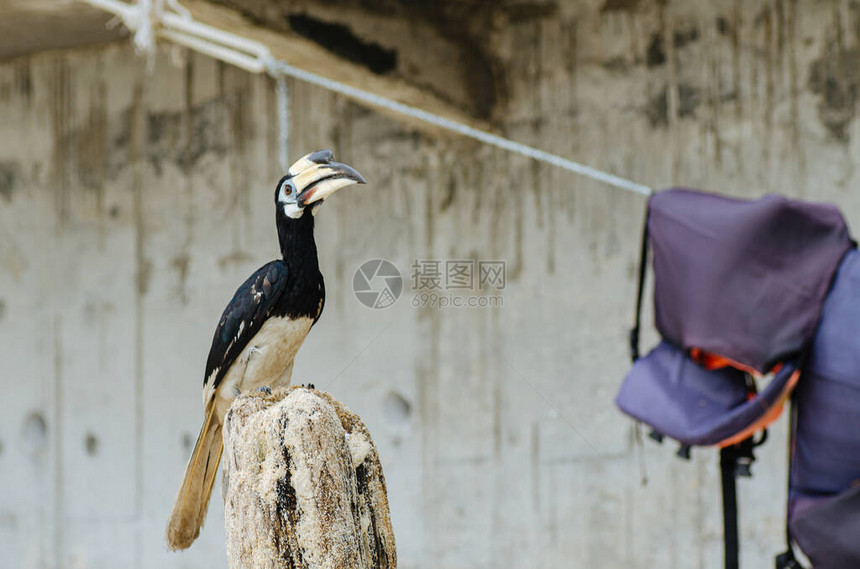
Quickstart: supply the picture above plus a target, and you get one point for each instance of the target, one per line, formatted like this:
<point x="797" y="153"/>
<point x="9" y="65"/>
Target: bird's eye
<point x="288" y="190"/>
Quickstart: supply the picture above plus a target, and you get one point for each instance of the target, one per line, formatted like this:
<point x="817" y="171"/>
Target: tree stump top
<point x="303" y="486"/>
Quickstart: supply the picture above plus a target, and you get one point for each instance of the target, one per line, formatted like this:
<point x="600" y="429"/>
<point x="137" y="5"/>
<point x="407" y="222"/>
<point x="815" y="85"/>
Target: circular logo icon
<point x="377" y="283"/>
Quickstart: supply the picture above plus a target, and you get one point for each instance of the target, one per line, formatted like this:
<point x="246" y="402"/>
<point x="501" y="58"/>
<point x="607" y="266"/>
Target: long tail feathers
<point x="189" y="510"/>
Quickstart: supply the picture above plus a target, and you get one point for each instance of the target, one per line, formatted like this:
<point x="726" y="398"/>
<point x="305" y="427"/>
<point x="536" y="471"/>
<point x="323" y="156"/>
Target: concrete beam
<point x="304" y="53"/>
<point x="32" y="26"/>
<point x="28" y="26"/>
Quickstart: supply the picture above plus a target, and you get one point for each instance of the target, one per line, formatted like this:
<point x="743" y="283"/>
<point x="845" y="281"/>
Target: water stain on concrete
<point x="835" y="77"/>
<point x="236" y="257"/>
<point x="657" y="108"/>
<point x="143" y="276"/>
<point x="24" y="79"/>
<point x="91" y="142"/>
<point x="451" y="190"/>
<point x="10" y="179"/>
<point x="655" y="54"/>
<point x="181" y="264"/>
<point x="61" y="106"/>
<point x="168" y="143"/>
<point x="102" y="144"/>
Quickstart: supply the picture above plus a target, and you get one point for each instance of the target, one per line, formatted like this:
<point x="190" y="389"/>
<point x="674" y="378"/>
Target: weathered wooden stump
<point x="303" y="486"/>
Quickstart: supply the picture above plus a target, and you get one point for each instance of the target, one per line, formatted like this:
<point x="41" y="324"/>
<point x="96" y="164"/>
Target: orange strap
<point x="769" y="417"/>
<point x="711" y="361"/>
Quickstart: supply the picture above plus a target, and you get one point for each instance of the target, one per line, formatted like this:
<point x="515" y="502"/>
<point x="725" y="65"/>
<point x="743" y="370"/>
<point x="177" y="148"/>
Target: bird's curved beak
<point x="320" y="180"/>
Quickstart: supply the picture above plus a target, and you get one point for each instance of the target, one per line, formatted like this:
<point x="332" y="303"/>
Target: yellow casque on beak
<point x="317" y="176"/>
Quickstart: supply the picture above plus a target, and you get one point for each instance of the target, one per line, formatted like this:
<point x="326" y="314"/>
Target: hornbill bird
<point x="261" y="329"/>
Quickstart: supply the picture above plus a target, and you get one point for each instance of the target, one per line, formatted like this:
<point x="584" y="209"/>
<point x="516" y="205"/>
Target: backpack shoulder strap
<point x="728" y="473"/>
<point x="640" y="289"/>
<point x="786" y="559"/>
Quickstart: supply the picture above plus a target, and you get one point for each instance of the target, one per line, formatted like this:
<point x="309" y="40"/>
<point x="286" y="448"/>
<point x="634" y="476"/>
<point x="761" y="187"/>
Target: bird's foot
<point x="265" y="389"/>
<point x="309" y="386"/>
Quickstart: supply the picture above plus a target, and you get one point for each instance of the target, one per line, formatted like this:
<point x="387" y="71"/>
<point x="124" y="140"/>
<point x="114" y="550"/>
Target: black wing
<point x="244" y="316"/>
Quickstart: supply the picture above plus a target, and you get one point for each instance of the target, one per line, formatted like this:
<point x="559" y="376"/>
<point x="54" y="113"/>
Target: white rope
<point x="144" y="38"/>
<point x="256" y="58"/>
<point x="283" y="122"/>
<point x="216" y="51"/>
<point x="189" y="26"/>
<point x="276" y="68"/>
<point x="179" y="9"/>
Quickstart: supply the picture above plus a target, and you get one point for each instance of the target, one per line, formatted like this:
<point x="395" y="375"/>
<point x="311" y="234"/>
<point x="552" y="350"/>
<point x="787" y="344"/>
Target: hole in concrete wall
<point x="10" y="175"/>
<point x="91" y="444"/>
<point x="619" y="5"/>
<point x="341" y="41"/>
<point x="684" y="37"/>
<point x="35" y="433"/>
<point x="835" y="78"/>
<point x="657" y="109"/>
<point x="724" y="27"/>
<point x="655" y="55"/>
<point x="187" y="441"/>
<point x="396" y="408"/>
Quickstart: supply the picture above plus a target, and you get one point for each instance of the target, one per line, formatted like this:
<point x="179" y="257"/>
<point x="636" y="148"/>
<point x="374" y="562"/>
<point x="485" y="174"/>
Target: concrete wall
<point x="133" y="204"/>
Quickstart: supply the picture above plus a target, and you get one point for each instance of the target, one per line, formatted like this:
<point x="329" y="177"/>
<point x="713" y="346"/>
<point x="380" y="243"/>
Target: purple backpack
<point x="738" y="295"/>
<point x="824" y="476"/>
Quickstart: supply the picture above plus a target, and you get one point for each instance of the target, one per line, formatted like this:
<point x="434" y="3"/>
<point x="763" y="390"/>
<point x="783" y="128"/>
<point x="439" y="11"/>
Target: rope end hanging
<point x="283" y="122"/>
<point x="144" y="35"/>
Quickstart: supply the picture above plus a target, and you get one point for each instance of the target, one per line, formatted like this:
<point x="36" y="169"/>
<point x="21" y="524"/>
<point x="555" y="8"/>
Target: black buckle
<point x="634" y="343"/>
<point x="743" y="456"/>
<point x="787" y="561"/>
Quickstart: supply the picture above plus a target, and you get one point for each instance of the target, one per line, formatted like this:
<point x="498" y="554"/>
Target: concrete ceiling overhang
<point x="445" y="47"/>
<point x="439" y="59"/>
<point x="362" y="64"/>
<point x="28" y="26"/>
